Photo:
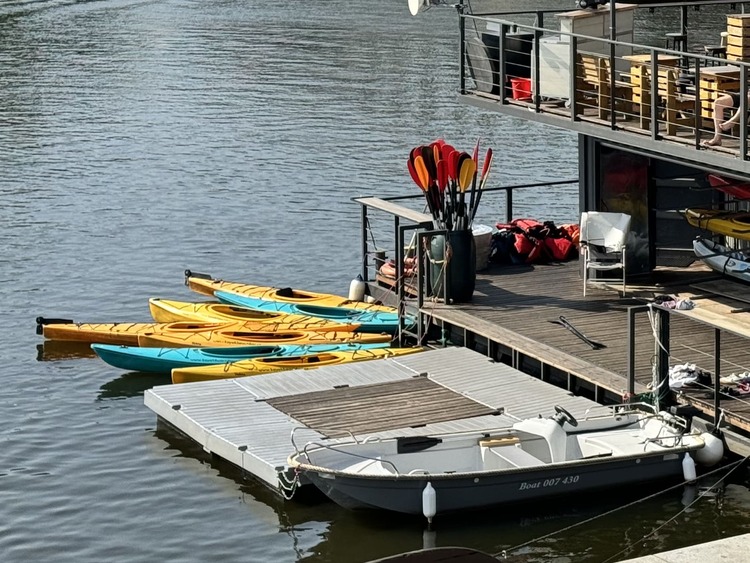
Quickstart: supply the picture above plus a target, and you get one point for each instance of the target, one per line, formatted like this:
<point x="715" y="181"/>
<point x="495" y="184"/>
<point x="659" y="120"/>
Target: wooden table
<point x="715" y="81"/>
<point x="640" y="78"/>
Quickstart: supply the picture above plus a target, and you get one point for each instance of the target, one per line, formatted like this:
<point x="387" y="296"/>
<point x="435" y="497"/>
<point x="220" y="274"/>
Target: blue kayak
<point x="369" y="321"/>
<point x="163" y="360"/>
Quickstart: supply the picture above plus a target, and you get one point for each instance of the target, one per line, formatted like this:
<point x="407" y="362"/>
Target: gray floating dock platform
<point x="249" y="421"/>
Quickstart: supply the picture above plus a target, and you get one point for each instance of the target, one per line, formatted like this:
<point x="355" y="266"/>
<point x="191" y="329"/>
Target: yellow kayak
<point x="207" y="286"/>
<point x="728" y="223"/>
<point x="127" y="333"/>
<point x="258" y="366"/>
<point x="115" y="333"/>
<point x="167" y="311"/>
<point x="232" y="336"/>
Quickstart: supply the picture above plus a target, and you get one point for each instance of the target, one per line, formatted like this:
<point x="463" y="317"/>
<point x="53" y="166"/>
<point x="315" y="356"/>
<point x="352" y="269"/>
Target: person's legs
<point x="723" y="102"/>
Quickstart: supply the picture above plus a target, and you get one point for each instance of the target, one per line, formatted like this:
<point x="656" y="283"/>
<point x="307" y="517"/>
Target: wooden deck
<point x="509" y="319"/>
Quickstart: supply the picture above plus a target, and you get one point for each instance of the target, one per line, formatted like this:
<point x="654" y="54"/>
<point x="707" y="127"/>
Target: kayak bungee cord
<point x="504" y="553"/>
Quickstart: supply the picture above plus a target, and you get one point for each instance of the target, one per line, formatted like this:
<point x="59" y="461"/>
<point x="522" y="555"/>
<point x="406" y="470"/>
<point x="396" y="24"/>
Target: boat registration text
<point x="554" y="482"/>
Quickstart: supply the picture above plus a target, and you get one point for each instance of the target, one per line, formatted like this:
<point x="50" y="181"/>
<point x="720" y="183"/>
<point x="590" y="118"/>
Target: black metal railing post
<point x="743" y="112"/>
<point x="654" y="71"/>
<point x="717" y="375"/>
<point x="536" y="77"/>
<point x="501" y="77"/>
<point x="573" y="76"/>
<point x="364" y="247"/>
<point x="509" y="205"/>
<point x="698" y="120"/>
<point x="462" y="46"/>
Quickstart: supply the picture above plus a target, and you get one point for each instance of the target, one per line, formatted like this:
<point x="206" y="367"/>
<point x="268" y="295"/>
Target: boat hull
<point x="471" y="491"/>
<point x="734" y="224"/>
<point x="164" y="360"/>
<point x="721" y="259"/>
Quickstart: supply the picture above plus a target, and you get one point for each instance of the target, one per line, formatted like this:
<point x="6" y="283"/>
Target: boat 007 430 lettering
<point x="569" y="480"/>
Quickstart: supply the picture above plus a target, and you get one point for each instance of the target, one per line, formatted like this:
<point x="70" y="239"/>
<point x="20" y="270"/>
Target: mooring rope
<point x="733" y="465"/>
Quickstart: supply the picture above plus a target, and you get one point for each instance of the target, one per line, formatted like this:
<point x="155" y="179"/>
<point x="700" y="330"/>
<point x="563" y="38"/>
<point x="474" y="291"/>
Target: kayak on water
<point x="164" y="360"/>
<point x="167" y="311"/>
<point x="245" y="368"/>
<point x="205" y="284"/>
<point x="368" y="321"/>
<point x="228" y="336"/>
<point x="127" y="333"/>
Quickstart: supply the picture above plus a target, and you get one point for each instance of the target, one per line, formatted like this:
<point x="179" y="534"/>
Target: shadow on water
<point x="53" y="350"/>
<point x="527" y="532"/>
<point x="131" y="384"/>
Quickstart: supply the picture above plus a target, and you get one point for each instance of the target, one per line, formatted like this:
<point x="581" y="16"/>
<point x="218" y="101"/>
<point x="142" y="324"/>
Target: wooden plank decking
<point x="513" y="306"/>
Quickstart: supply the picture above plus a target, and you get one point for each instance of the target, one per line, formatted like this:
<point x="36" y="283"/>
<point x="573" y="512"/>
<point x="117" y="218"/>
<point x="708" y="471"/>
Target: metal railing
<point x="658" y="93"/>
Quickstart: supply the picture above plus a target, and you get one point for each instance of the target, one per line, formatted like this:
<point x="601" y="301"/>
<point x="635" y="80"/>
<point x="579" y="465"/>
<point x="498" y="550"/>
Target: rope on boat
<point x="734" y="465"/>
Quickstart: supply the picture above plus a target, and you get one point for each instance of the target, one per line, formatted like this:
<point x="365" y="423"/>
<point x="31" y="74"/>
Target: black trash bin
<point x="458" y="257"/>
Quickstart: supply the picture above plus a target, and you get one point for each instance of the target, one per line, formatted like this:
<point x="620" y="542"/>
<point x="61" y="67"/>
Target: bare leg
<point x="722" y="102"/>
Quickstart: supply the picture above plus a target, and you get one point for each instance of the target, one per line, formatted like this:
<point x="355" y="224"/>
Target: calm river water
<point x="140" y="138"/>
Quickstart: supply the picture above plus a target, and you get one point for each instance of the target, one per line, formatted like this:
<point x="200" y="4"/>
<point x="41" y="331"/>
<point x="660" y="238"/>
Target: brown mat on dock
<point x="378" y="407"/>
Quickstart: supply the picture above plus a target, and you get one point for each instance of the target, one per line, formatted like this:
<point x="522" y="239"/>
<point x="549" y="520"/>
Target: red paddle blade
<point x="413" y="174"/>
<point x="414" y="152"/>
<point x="445" y="151"/>
<point x="486" y="166"/>
<point x="442" y="174"/>
<point x="428" y="156"/>
<point x="437" y="154"/>
<point x="475" y="157"/>
<point x="453" y="161"/>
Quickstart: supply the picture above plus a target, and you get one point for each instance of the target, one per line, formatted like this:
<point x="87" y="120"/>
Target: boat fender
<point x="712" y="452"/>
<point x="357" y="289"/>
<point x="429" y="502"/>
<point x="688" y="468"/>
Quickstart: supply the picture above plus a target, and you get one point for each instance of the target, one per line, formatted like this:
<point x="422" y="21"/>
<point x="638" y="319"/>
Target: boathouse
<point x="643" y="113"/>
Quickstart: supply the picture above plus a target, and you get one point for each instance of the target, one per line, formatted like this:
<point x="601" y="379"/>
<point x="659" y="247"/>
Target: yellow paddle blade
<point x="466" y="174"/>
<point x="422" y="173"/>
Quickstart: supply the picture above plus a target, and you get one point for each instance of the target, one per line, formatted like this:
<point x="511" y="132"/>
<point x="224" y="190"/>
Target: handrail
<point x="332" y="448"/>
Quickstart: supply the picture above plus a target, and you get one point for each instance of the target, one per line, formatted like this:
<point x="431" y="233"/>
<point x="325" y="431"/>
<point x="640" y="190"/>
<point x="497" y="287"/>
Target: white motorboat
<point x="536" y="458"/>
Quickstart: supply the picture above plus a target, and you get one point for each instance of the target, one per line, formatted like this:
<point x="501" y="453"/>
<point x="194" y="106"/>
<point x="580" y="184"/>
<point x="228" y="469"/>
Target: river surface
<point x="141" y="138"/>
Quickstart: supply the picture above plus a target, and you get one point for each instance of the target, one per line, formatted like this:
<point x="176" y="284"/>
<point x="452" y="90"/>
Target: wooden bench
<point x="594" y="81"/>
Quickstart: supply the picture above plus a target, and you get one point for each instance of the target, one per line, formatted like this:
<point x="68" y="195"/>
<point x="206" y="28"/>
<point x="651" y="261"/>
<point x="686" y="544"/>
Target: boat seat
<point x="502" y="457"/>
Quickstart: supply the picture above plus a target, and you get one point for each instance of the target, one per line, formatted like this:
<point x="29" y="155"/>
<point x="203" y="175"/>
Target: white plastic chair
<point x="603" y="238"/>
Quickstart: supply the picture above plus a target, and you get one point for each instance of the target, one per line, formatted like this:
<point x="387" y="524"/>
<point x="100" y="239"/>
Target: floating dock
<point x="251" y="421"/>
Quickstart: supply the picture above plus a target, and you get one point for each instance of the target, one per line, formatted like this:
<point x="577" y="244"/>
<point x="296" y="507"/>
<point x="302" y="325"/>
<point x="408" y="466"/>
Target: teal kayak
<point x="163" y="360"/>
<point x="369" y="321"/>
